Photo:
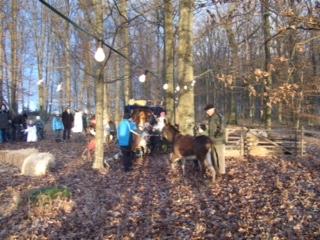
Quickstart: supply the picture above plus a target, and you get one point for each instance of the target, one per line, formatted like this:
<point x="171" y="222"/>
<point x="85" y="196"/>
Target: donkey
<point x="187" y="147"/>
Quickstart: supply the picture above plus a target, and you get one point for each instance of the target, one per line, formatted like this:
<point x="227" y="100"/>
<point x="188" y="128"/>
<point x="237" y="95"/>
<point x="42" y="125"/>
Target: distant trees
<point x="255" y="60"/>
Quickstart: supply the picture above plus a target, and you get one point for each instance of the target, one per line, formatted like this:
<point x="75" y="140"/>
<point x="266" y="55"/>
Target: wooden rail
<point x="241" y="141"/>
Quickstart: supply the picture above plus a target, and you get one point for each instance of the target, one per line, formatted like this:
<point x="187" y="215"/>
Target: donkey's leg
<point x="209" y="160"/>
<point x="171" y="161"/>
<point x="183" y="164"/>
<point x="200" y="166"/>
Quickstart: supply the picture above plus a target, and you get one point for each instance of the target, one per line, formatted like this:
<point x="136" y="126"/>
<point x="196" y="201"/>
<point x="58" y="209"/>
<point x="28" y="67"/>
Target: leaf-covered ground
<point x="258" y="198"/>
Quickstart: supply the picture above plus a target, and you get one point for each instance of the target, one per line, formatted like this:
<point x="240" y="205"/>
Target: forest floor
<point x="274" y="197"/>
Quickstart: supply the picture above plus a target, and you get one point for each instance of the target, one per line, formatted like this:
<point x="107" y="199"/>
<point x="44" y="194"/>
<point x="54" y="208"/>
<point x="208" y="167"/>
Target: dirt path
<point x="270" y="198"/>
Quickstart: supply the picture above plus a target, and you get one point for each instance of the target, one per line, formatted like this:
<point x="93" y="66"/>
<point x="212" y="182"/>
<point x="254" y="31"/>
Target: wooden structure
<point x="258" y="142"/>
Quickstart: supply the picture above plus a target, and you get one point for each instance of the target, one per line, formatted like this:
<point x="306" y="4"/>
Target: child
<point x="32" y="132"/>
<point x="57" y="126"/>
<point x="40" y="127"/>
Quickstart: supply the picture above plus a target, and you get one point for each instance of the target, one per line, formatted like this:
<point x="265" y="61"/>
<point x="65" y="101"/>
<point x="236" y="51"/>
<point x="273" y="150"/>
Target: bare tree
<point x="169" y="59"/>
<point x="1" y="53"/>
<point x="185" y="66"/>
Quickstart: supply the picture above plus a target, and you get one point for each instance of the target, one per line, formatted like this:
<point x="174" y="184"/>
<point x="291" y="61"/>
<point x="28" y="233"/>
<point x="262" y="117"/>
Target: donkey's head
<point x="169" y="132"/>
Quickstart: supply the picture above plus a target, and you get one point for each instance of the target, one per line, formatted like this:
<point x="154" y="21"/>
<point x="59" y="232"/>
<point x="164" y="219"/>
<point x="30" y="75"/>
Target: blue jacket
<point x="124" y="139"/>
<point x="57" y="124"/>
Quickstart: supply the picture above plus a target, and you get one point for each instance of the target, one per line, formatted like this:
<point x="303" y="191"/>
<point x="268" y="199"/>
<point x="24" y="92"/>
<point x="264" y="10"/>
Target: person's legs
<point x="127" y="158"/>
<point x="58" y="138"/>
<point x="15" y="132"/>
<point x="7" y="135"/>
<point x="40" y="134"/>
<point x="68" y="133"/>
<point x="221" y="155"/>
<point x="19" y="132"/>
<point x="64" y="133"/>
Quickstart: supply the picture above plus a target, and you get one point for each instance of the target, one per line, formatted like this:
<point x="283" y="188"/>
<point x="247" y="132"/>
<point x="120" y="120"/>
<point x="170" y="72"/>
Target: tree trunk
<point x="1" y="53"/>
<point x="265" y="12"/>
<point x="68" y="58"/>
<point x="169" y="60"/>
<point x="126" y="52"/>
<point x="99" y="151"/>
<point x="14" y="57"/>
<point x="185" y="62"/>
<point x="39" y="45"/>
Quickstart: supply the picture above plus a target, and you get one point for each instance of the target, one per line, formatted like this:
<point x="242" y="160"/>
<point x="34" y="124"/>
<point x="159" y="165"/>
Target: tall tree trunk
<point x="126" y="52"/>
<point x="39" y="45"/>
<point x="118" y="114"/>
<point x="99" y="151"/>
<point x="68" y="57"/>
<point x="1" y="53"/>
<point x="169" y="59"/>
<point x="233" y="72"/>
<point x="265" y="10"/>
<point x="14" y="57"/>
<point x="185" y="62"/>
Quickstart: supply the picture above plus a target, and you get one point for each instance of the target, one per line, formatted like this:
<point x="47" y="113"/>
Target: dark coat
<point x="67" y="119"/>
<point x="113" y="128"/>
<point x="5" y="118"/>
<point x="20" y="119"/>
<point x="85" y="121"/>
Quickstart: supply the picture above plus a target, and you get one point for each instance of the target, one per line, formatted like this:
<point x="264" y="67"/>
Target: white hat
<point x="38" y="117"/>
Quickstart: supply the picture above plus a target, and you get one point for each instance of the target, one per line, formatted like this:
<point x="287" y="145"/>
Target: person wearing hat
<point x="216" y="132"/>
<point x="125" y="141"/>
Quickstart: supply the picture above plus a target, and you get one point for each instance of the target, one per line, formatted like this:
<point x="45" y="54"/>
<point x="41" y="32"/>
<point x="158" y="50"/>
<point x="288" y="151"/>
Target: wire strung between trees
<point x="90" y="34"/>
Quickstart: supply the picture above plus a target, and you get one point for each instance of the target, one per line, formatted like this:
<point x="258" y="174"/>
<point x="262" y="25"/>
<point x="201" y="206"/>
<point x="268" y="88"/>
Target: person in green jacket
<point x="217" y="133"/>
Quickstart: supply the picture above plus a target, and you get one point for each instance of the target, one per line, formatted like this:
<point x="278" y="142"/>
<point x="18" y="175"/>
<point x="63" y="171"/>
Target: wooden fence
<point x="258" y="142"/>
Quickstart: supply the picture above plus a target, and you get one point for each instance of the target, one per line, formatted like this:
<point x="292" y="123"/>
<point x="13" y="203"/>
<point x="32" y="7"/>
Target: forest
<point x="257" y="61"/>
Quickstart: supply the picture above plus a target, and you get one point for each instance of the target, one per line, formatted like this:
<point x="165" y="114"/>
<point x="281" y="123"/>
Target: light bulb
<point x="99" y="55"/>
<point x="165" y="86"/>
<point x="178" y="88"/>
<point x="185" y="87"/>
<point x="142" y="78"/>
<point x="40" y="82"/>
<point x="59" y="88"/>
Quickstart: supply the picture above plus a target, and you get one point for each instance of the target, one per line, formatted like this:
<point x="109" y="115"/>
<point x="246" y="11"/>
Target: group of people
<point x="214" y="129"/>
<point x="63" y="125"/>
<point x="22" y="128"/>
<point x="128" y="130"/>
<point x="17" y="129"/>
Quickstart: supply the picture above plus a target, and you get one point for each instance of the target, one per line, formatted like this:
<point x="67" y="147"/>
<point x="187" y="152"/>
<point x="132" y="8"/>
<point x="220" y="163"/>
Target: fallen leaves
<point x="265" y="198"/>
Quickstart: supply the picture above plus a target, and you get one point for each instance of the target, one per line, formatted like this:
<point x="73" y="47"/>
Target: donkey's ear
<point x="166" y="121"/>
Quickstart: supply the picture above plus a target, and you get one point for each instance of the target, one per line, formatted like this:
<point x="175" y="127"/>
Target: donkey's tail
<point x="215" y="159"/>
